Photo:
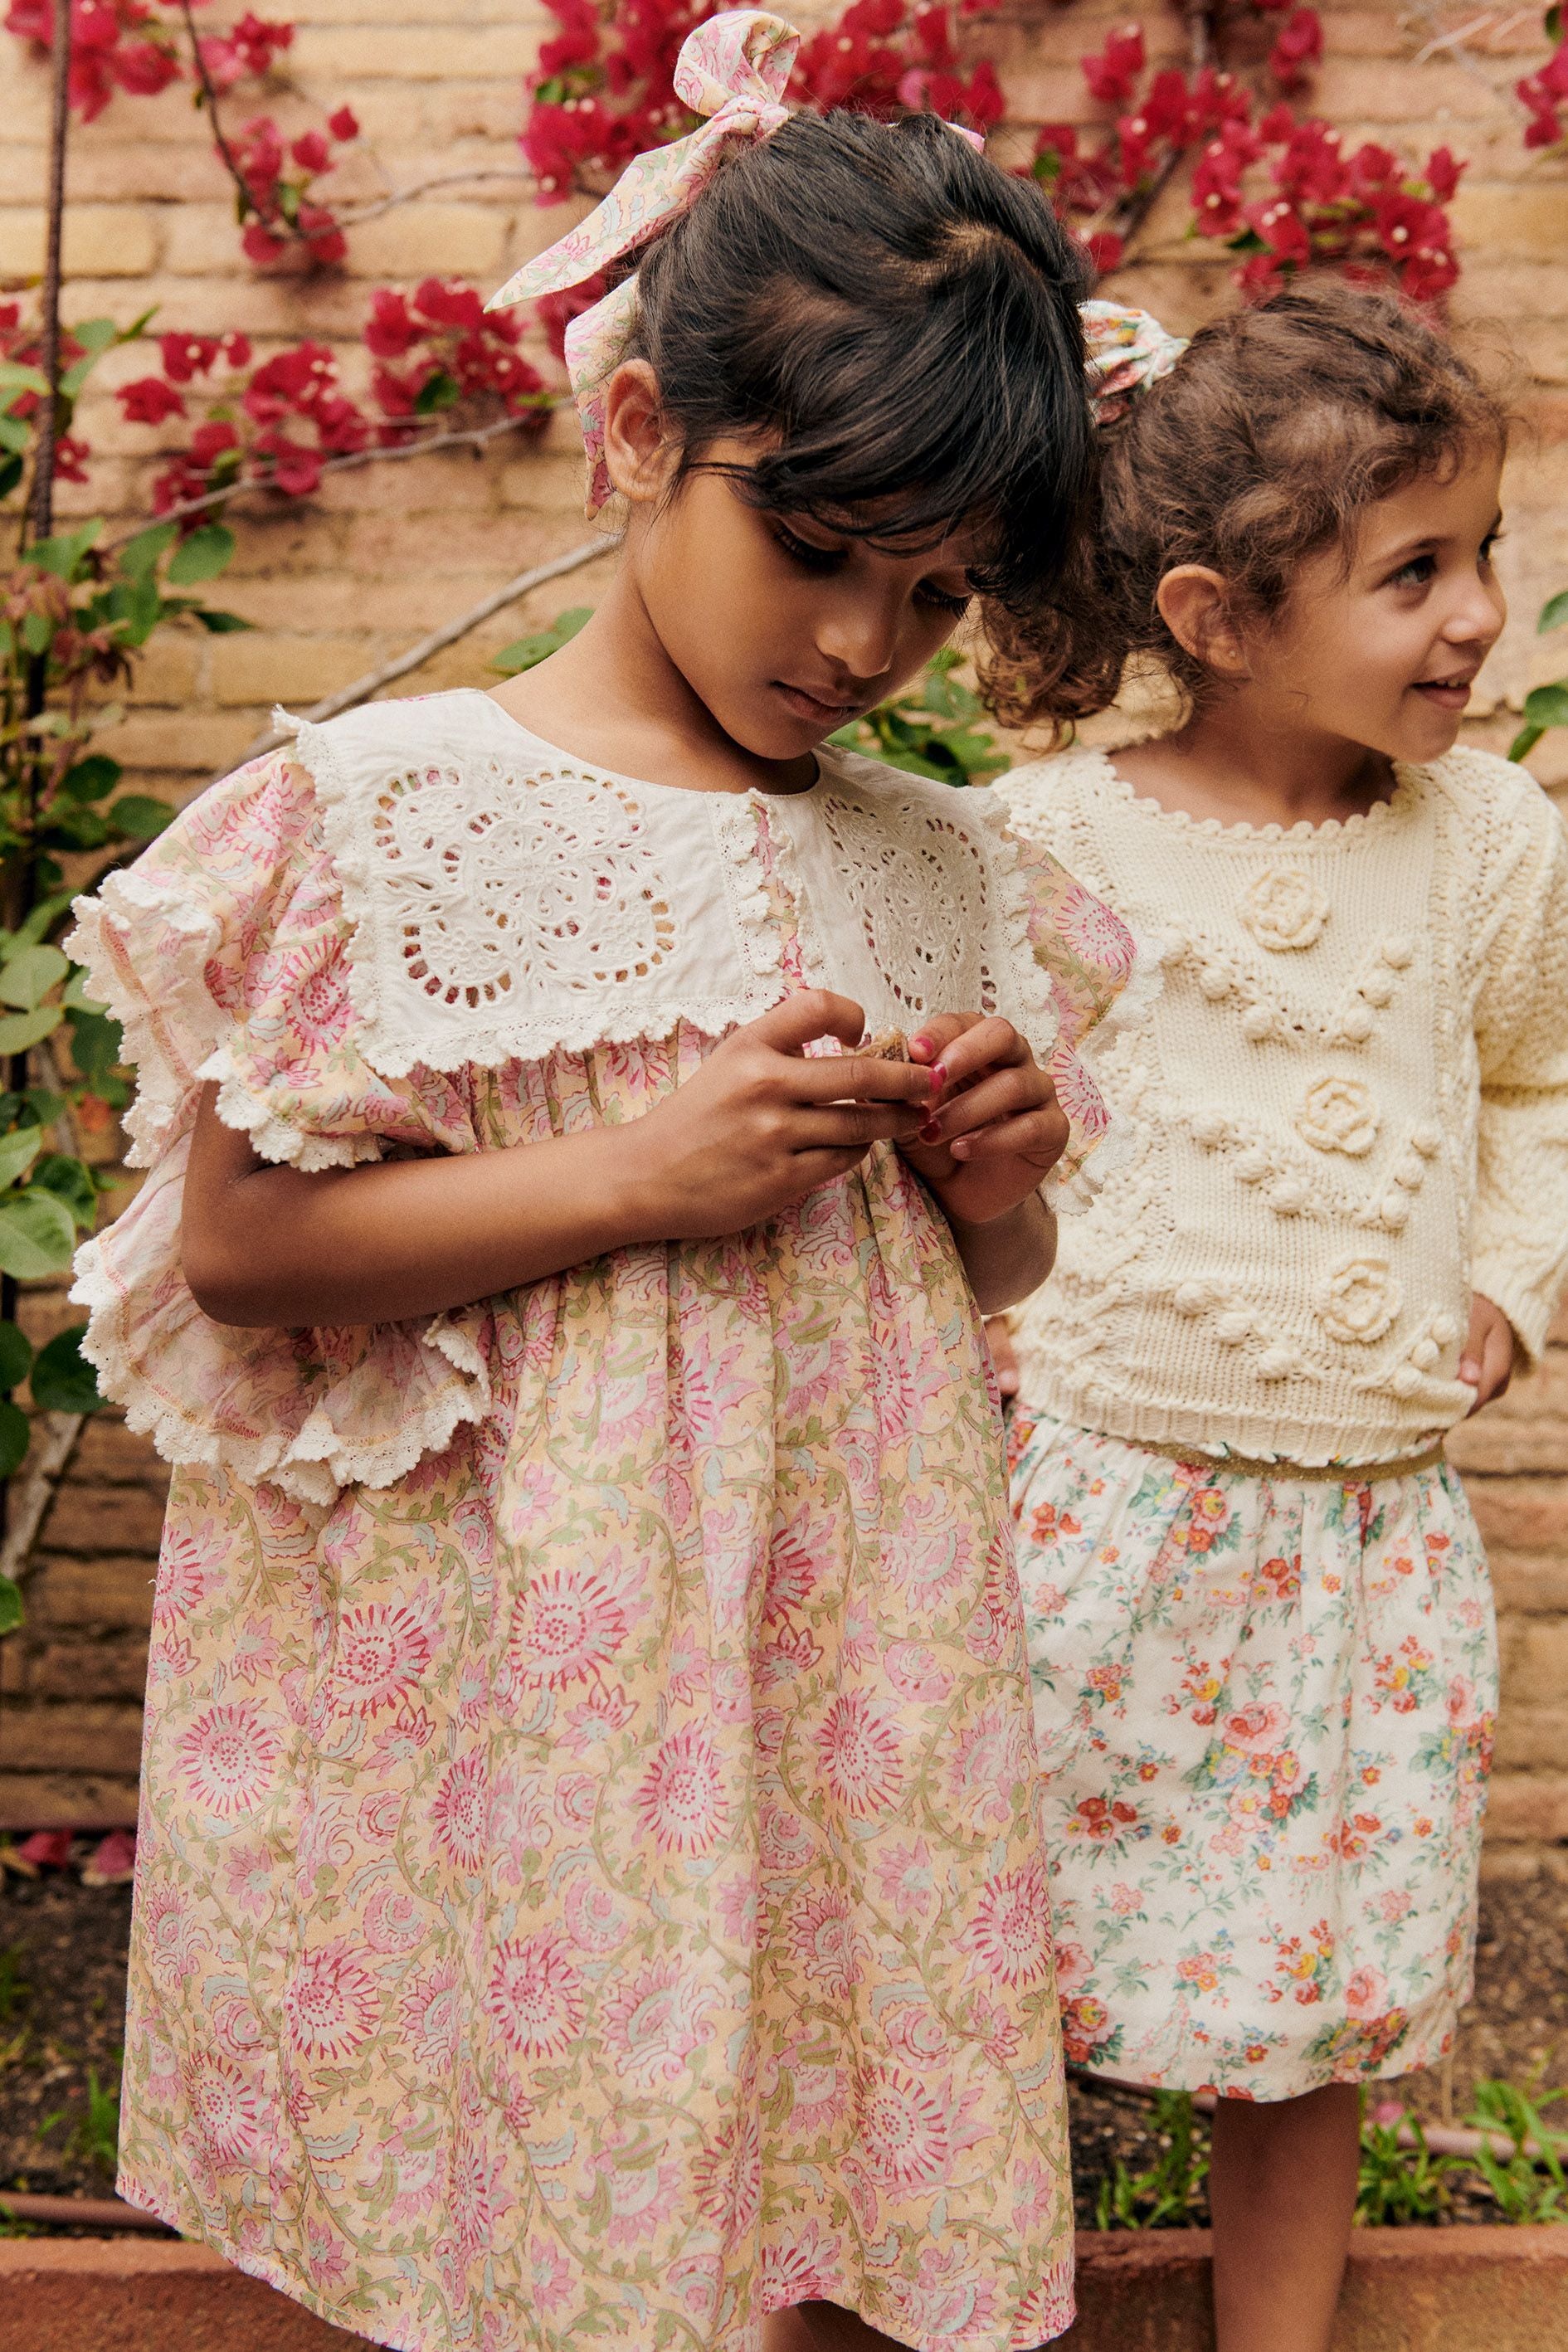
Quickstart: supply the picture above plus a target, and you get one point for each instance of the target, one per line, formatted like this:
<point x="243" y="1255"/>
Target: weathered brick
<point x="330" y="55"/>
<point x="1526" y="224"/>
<point x="101" y="241"/>
<point x="66" y="1800"/>
<point x="432" y="238"/>
<point x="85" y="1519"/>
<point x="114" y="1593"/>
<point x="1529" y="1805"/>
<point x="1532" y="1737"/>
<point x="255" y="670"/>
<point x="88" y="1735"/>
<point x="1538" y="1674"/>
<point x="107" y="1454"/>
<point x="114" y="1667"/>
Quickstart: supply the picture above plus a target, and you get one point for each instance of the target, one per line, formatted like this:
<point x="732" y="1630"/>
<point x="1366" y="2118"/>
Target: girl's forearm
<point x="399" y="1239"/>
<point x="1010" y="1257"/>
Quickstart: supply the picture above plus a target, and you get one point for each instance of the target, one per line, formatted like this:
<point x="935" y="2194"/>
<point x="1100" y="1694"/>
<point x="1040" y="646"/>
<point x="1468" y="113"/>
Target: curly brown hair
<point x="1278" y="427"/>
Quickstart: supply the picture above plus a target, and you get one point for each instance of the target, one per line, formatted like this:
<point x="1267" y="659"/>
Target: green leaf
<point x="98" y="334"/>
<point x="15" y="376"/>
<point x="20" y="1030"/>
<point x="63" y="1381"/>
<point x="139" y="557"/>
<point x="18" y="1149"/>
<point x="1553" y="613"/>
<point x="97" y="1045"/>
<point x="10" y="475"/>
<point x="73" y="378"/>
<point x="140" y="816"/>
<point x="74" y="996"/>
<point x="41" y="919"/>
<point x="1547" y="705"/>
<point x="37" y="632"/>
<point x="92" y="779"/>
<point x="38" y="1235"/>
<point x="10" y="1602"/>
<point x="69" y="1180"/>
<point x="203" y="556"/>
<point x="27" y="976"/>
<point x="63" y="554"/>
<point x="438" y="390"/>
<point x="526" y="652"/>
<point x="15" y="432"/>
<point x="73" y="827"/>
<point x="16" y="1356"/>
<point x="16" y="1430"/>
<point x="221" y="624"/>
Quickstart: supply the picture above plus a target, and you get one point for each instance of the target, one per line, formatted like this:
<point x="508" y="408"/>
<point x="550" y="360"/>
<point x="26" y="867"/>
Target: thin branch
<point x="477" y="436"/>
<point x="353" y="210"/>
<point x="41" y="501"/>
<point x="1205" y="22"/>
<point x="209" y="93"/>
<point x="30" y="1493"/>
<point x="439" y="639"/>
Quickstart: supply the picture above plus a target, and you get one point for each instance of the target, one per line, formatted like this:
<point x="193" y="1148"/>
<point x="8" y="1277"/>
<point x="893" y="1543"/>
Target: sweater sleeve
<point x="1519" y="1233"/>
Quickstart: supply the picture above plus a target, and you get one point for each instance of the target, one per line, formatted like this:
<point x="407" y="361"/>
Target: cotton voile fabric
<point x="1265" y="1707"/>
<point x="589" y="1881"/>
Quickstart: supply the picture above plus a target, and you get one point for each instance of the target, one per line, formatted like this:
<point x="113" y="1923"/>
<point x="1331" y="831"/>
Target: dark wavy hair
<point x="1276" y="430"/>
<point x="897" y="320"/>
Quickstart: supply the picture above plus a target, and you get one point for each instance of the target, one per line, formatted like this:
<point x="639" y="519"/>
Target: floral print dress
<point x="589" y="1881"/>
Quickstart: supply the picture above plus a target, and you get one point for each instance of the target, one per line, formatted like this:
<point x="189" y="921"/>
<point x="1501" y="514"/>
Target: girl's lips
<point x="1450" y="694"/>
<point x="810" y="706"/>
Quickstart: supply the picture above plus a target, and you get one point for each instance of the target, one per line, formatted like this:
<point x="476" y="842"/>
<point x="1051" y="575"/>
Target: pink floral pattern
<point x="1265" y="1711"/>
<point x="542" y="1854"/>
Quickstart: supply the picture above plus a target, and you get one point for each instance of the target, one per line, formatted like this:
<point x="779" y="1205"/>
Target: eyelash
<point x="1420" y="569"/>
<point x="821" y="560"/>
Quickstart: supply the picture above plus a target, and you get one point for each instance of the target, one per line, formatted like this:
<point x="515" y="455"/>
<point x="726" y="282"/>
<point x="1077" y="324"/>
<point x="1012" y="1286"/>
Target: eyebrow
<point x="1418" y="545"/>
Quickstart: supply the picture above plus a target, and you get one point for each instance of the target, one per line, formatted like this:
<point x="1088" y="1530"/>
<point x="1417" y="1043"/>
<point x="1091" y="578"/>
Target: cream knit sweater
<point x="1350" y="1104"/>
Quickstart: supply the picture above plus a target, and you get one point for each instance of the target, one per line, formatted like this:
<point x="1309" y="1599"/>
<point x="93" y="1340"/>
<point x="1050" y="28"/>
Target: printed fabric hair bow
<point x="1128" y="351"/>
<point x="734" y="71"/>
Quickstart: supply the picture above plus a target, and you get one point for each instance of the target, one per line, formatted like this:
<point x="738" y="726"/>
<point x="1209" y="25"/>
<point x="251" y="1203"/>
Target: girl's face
<point x="1385" y="654"/>
<point x="785" y="629"/>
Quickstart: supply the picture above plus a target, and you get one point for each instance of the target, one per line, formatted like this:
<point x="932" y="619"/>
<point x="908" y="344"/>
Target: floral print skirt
<point x="1265" y="1708"/>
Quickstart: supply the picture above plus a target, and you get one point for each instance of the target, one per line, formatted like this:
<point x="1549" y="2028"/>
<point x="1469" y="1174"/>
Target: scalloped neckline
<point x="645" y="783"/>
<point x="1302" y="834"/>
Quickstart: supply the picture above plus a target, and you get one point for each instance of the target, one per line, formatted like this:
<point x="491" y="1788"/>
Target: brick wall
<point x="384" y="554"/>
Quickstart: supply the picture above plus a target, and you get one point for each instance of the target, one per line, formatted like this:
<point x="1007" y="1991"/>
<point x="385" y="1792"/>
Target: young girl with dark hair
<point x="590" y="1885"/>
<point x="1259" y="1613"/>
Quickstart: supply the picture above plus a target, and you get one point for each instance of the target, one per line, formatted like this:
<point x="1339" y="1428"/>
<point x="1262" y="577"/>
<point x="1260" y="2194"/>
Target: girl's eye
<point x="945" y="602"/>
<point x="802" y="552"/>
<point x="1490" y="544"/>
<point x="1416" y="573"/>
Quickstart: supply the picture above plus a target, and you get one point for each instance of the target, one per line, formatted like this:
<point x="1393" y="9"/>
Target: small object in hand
<point x="887" y="1045"/>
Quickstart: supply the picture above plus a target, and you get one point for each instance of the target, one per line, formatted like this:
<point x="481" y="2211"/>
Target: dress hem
<point x="1054" y="2320"/>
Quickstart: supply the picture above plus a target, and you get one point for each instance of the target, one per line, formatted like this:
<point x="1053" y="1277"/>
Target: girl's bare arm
<point x="756" y="1128"/>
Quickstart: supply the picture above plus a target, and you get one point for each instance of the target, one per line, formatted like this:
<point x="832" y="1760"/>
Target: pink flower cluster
<point x="604" y="88"/>
<point x="1544" y="95"/>
<point x="279" y="423"/>
<point x="283" y="207"/>
<point x="115" y="44"/>
<point x="1283" y="194"/>
<point x="24" y="345"/>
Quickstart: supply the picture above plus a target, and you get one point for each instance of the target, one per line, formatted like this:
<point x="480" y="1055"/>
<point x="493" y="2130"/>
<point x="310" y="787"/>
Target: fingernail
<point x="930" y="1132"/>
<point x="960" y="1150"/>
<point x="939" y="1074"/>
<point x="922" y="1045"/>
<point x="1469" y="1371"/>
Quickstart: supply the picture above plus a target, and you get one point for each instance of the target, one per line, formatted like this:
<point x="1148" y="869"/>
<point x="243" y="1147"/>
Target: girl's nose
<point x="861" y="636"/>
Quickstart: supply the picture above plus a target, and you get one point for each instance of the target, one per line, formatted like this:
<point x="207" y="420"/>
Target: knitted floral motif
<point x="1284" y="909"/>
<point x="1339" y="1115"/>
<point x="1360" y="1299"/>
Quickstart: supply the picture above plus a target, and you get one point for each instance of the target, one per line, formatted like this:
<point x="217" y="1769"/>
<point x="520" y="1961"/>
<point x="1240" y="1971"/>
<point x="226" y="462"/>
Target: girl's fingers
<point x="853" y="1127"/>
<point x="987" y="1043"/>
<point x="930" y="1043"/>
<point x="1006" y="1094"/>
<point x="1038" y="1139"/>
<point x="857" y="1077"/>
<point x="803" y="1018"/>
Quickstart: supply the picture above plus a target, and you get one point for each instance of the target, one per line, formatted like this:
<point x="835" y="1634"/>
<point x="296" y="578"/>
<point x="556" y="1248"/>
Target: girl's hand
<point x="1489" y="1353"/>
<point x="760" y="1125"/>
<point x="996" y="1131"/>
<point x="1003" y="1357"/>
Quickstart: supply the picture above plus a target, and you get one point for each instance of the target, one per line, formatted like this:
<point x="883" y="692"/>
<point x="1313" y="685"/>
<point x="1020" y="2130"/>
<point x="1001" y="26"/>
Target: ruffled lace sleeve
<point x="223" y="953"/>
<point x="1103" y="979"/>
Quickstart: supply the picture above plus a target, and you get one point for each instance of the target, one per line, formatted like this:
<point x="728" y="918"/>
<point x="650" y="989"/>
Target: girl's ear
<point x="639" y="455"/>
<point x="1194" y="605"/>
